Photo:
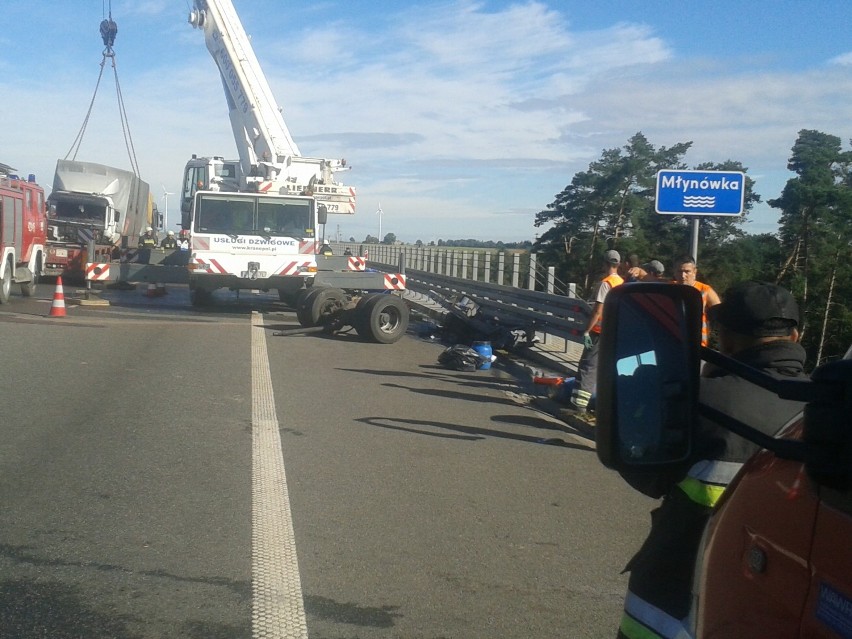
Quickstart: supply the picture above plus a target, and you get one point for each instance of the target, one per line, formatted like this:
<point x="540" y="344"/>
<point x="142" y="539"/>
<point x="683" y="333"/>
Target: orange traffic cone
<point x="57" y="309"/>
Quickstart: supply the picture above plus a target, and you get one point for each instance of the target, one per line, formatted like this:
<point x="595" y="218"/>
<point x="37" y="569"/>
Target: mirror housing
<point x="322" y="214"/>
<point x="648" y="371"/>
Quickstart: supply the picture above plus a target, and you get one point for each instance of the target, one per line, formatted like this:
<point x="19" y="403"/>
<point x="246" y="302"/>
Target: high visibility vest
<point x="705" y="324"/>
<point x="613" y="281"/>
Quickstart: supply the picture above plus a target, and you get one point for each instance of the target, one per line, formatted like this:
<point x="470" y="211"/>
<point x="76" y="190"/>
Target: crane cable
<point x="109" y="29"/>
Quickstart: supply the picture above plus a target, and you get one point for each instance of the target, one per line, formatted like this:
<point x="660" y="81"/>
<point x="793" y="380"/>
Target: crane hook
<point x="108" y="31"/>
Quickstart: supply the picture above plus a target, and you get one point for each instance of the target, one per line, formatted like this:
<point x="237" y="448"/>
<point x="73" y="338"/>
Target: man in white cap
<point x="148" y="240"/>
<point x="170" y="241"/>
<point x="587" y="369"/>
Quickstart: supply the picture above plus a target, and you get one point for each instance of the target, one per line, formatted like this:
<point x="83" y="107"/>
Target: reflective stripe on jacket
<point x="706" y="480"/>
<point x="641" y="620"/>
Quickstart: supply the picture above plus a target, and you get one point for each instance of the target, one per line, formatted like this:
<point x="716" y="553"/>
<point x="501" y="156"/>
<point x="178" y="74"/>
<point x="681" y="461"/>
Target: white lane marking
<point x="277" y="606"/>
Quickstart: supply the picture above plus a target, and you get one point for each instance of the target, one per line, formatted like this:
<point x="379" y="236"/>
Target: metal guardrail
<point x="565" y="317"/>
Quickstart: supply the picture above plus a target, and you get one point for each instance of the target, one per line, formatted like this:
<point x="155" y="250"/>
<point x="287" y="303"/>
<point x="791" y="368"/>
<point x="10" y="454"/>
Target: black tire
<point x="200" y="297"/>
<point x="290" y="298"/>
<point x="360" y="319"/>
<point x="6" y="284"/>
<point x="28" y="289"/>
<point x="303" y="307"/>
<point x="385" y="318"/>
<point x="325" y="302"/>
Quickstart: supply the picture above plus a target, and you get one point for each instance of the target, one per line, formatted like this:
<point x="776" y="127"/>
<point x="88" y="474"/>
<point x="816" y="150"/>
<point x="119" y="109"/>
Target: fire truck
<point x="22" y="233"/>
<point x="258" y="222"/>
<point x="776" y="556"/>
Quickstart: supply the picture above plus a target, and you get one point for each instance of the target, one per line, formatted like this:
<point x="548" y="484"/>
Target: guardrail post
<point x="501" y="267"/>
<point x="464" y="265"/>
<point x="516" y="269"/>
<point x="551" y="278"/>
<point x="533" y="267"/>
<point x="486" y="269"/>
<point x="475" y="267"/>
<point x="572" y="289"/>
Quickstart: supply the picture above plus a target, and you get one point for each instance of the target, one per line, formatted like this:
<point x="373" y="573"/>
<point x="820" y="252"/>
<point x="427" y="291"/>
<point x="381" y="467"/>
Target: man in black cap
<point x="757" y="324"/>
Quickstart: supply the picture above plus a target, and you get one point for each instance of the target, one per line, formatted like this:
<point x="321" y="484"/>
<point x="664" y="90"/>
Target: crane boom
<point x="270" y="160"/>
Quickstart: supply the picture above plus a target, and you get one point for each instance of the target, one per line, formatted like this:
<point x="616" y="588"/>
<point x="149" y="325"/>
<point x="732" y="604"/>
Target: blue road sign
<point x="700" y="192"/>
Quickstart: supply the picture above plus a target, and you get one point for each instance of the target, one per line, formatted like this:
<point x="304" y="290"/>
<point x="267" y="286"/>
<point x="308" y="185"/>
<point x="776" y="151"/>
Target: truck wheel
<point x="28" y="289"/>
<point x="303" y="307"/>
<point x="200" y="297"/>
<point x="325" y="302"/>
<point x="289" y="297"/>
<point x="384" y="319"/>
<point x="6" y="284"/>
<point x="360" y="319"/>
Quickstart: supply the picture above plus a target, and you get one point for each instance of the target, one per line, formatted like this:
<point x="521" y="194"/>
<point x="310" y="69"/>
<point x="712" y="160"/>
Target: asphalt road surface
<point x="167" y="472"/>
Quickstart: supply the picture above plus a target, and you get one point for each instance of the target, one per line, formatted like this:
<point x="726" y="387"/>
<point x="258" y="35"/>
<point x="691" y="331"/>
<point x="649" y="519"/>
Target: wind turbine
<point x="165" y="199"/>
<point x="379" y="213"/>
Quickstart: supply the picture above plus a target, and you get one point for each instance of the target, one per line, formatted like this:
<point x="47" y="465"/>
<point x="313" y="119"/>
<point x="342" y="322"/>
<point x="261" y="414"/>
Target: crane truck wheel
<point x="291" y="297"/>
<point x="200" y="297"/>
<point x="383" y="318"/>
<point x="325" y="302"/>
<point x="6" y="284"/>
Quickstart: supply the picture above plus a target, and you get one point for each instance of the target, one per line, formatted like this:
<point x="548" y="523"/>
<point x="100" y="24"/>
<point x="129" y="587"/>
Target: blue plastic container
<point x="484" y="349"/>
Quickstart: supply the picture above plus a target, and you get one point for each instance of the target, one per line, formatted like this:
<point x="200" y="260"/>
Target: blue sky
<point x="461" y="119"/>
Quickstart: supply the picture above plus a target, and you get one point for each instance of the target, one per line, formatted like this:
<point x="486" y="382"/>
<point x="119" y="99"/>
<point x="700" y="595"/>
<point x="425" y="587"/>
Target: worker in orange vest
<point x="587" y="369"/>
<point x="685" y="272"/>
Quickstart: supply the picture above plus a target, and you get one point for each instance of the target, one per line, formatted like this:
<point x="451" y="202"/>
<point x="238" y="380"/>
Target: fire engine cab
<point x="23" y="226"/>
<point x="776" y="557"/>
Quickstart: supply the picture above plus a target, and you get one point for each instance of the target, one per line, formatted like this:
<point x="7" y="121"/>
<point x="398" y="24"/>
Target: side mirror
<point x="648" y="370"/>
<point x="322" y="214"/>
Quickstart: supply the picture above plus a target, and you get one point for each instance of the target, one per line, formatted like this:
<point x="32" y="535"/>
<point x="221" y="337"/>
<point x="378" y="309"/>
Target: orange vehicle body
<point x="777" y="559"/>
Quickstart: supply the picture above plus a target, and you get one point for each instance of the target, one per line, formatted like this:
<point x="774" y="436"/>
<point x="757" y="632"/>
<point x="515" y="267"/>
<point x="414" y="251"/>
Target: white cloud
<point x="842" y="60"/>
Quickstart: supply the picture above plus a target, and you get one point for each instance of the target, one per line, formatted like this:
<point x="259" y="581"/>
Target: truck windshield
<point x="74" y="211"/>
<point x="266" y="216"/>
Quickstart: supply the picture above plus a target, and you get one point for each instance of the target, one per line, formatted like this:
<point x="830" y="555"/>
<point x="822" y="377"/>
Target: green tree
<point x="371" y="240"/>
<point x="390" y="238"/>
<point x="816" y="236"/>
<point x="611" y="206"/>
<point x="607" y="206"/>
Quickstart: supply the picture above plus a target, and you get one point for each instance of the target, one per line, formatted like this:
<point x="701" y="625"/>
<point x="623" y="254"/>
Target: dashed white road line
<point x="278" y="610"/>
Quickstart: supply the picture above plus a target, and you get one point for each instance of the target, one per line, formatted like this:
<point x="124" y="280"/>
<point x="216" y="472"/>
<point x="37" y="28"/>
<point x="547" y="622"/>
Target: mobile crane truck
<point x="255" y="223"/>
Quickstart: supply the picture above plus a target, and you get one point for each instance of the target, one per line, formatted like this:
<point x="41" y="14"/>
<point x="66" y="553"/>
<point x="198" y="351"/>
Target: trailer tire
<point x="383" y="319"/>
<point x="360" y="319"/>
<point x="303" y="307"/>
<point x="325" y="302"/>
<point x="6" y="284"/>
